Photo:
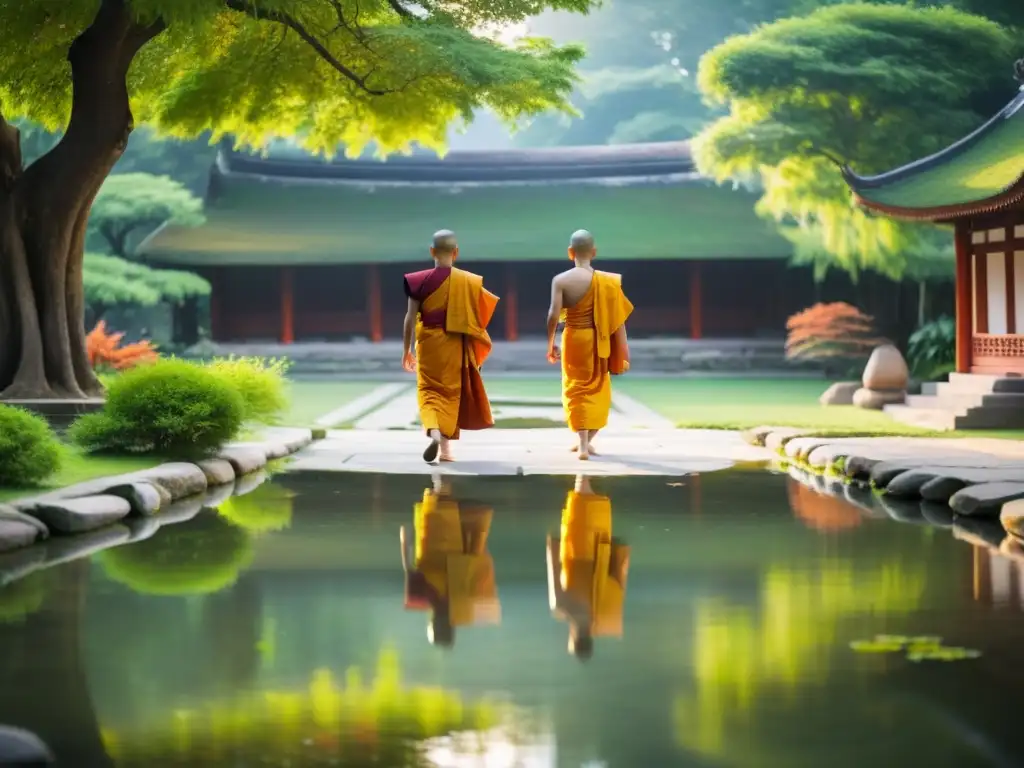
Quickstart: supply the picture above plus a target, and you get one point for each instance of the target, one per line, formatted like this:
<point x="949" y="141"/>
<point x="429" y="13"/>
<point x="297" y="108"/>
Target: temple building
<point x="977" y="186"/>
<point x="303" y="249"/>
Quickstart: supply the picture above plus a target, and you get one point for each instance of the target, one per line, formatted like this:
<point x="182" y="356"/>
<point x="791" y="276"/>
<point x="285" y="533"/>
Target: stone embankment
<point x="46" y="530"/>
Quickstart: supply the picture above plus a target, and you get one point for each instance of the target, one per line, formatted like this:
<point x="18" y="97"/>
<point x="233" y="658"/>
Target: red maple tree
<point x="105" y="350"/>
<point x="829" y="331"/>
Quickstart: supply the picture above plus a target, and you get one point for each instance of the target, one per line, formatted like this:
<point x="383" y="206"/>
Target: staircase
<point x="966" y="401"/>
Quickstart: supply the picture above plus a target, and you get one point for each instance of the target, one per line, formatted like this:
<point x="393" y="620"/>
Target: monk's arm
<point x="620" y="335"/>
<point x="554" y="312"/>
<point x="409" y="326"/>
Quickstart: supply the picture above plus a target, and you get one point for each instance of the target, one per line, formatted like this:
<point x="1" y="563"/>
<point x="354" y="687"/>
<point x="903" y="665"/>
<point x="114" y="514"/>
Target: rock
<point x="181" y="511"/>
<point x="218" y="494"/>
<point x="876" y="399"/>
<point x="775" y="440"/>
<point x="249" y="483"/>
<point x="80" y="515"/>
<point x="939" y="515"/>
<point x="144" y="498"/>
<point x="941" y="489"/>
<point x="217" y="471"/>
<point x="141" y="528"/>
<point x="180" y="479"/>
<point x="1012" y="518"/>
<point x="886" y="370"/>
<point x="15" y="534"/>
<point x="19" y="747"/>
<point x="244" y="459"/>
<point x="840" y="393"/>
<point x="318" y="433"/>
<point x="863" y="500"/>
<point x="859" y="467"/>
<point x="11" y="514"/>
<point x="902" y="511"/>
<point x="986" y="499"/>
<point x="907" y="485"/>
<point x="276" y="450"/>
<point x="797" y="448"/>
<point x="884" y="471"/>
<point x="63" y="549"/>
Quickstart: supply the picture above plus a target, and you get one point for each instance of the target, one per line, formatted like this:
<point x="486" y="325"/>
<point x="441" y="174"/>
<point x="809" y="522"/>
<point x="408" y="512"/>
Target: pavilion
<point x="977" y="186"/>
<point x="303" y="249"/>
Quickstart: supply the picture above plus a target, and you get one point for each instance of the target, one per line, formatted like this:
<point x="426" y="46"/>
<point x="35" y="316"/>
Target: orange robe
<point x="594" y="565"/>
<point x="451" y="561"/>
<point x="451" y="345"/>
<point x="586" y="347"/>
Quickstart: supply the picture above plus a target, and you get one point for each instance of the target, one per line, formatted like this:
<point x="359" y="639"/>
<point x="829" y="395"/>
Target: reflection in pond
<point x="266" y="509"/>
<point x="22" y="598"/>
<point x="452" y="573"/>
<point x="587" y="570"/>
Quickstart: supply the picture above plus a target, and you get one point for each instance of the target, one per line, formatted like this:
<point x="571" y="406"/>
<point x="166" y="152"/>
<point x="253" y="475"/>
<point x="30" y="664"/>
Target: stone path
<point x="362" y="405"/>
<point x="624" y="451"/>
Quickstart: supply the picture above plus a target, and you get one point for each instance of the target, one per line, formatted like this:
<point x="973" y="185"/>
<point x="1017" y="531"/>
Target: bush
<point x="170" y="407"/>
<point x="29" y="451"/>
<point x="931" y="350"/>
<point x="261" y="383"/>
<point x="838" y="335"/>
<point x="106" y="353"/>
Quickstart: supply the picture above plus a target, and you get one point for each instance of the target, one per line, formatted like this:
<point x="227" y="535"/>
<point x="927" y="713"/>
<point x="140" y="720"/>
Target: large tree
<point x="325" y="71"/>
<point x="868" y="86"/>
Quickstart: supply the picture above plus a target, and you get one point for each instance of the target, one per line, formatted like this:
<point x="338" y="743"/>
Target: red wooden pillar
<point x="511" y="302"/>
<point x="964" y="299"/>
<point x="696" y="309"/>
<point x="373" y="303"/>
<point x="287" y="306"/>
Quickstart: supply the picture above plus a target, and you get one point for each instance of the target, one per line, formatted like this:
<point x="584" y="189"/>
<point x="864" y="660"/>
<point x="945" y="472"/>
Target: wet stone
<point x="181" y="511"/>
<point x="244" y="459"/>
<point x="985" y="500"/>
<point x="15" y="535"/>
<point x="218" y="494"/>
<point x="21" y="747"/>
<point x="860" y="467"/>
<point x="907" y="485"/>
<point x="81" y="515"/>
<point x="10" y="514"/>
<point x="883" y="473"/>
<point x="63" y="549"/>
<point x="903" y="511"/>
<point x="142" y="528"/>
<point x="144" y="498"/>
<point x="939" y="515"/>
<point x="179" y="479"/>
<point x="941" y="489"/>
<point x="776" y="439"/>
<point x="249" y="483"/>
<point x="217" y="471"/>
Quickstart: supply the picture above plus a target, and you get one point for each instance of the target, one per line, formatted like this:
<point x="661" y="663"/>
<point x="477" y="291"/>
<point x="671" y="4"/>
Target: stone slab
<point x="15" y="534"/>
<point x="180" y="479"/>
<point x="985" y="500"/>
<point x="244" y="459"/>
<point x="144" y="498"/>
<point x="80" y="515"/>
<point x="775" y="440"/>
<point x="11" y="514"/>
<point x="217" y="471"/>
<point x="363" y="405"/>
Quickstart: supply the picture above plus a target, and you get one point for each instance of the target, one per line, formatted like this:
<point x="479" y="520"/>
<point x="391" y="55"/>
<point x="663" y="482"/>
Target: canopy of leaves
<point x="111" y="280"/>
<point x="871" y="86"/>
<point x="328" y="71"/>
<point x="131" y="202"/>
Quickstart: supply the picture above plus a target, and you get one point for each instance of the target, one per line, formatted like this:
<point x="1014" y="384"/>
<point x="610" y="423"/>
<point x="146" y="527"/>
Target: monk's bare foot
<point x="446" y="457"/>
<point x="584" y="456"/>
<point x="591" y="451"/>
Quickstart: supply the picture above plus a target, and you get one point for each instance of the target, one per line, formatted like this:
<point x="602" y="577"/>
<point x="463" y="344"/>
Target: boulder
<point x="80" y="515"/>
<point x="883" y="472"/>
<point x="985" y="500"/>
<point x="144" y="498"/>
<point x="11" y="514"/>
<point x="840" y="393"/>
<point x="940" y="490"/>
<point x="886" y="370"/>
<point x="217" y="471"/>
<point x="877" y="399"/>
<point x="907" y="485"/>
<point x="180" y="479"/>
<point x="1012" y="518"/>
<point x="776" y="439"/>
<point x="859" y="467"/>
<point x="244" y="459"/>
<point x="15" y="534"/>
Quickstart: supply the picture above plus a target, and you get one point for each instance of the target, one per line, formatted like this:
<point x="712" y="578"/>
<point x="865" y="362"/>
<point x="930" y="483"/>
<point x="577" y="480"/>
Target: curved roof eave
<point x="1009" y="198"/>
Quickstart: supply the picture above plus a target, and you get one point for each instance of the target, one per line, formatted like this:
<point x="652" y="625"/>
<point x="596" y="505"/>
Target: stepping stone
<point x="860" y="467"/>
<point x="907" y="485"/>
<point x="884" y="471"/>
<point x="63" y="549"/>
<point x="941" y="489"/>
<point x="244" y="459"/>
<point x="775" y="440"/>
<point x="276" y="450"/>
<point x="217" y="471"/>
<point x="81" y="515"/>
<point x="985" y="500"/>
<point x="180" y="479"/>
<point x="10" y="514"/>
<point x="1012" y="518"/>
<point x="799" y="447"/>
<point x="15" y="534"/>
<point x="144" y="498"/>
<point x="912" y="483"/>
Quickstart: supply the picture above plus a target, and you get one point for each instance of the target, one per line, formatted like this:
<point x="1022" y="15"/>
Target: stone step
<point x="991" y="418"/>
<point x="977" y="382"/>
<point x="926" y="418"/>
<point x="961" y="401"/>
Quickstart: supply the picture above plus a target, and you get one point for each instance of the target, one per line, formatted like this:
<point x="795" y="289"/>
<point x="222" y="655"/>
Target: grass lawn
<point x="79" y="468"/>
<point x="312" y="399"/>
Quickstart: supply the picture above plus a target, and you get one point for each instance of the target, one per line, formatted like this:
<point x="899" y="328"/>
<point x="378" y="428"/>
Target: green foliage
<point x="931" y="350"/>
<point x="866" y="85"/>
<point x="111" y="280"/>
<point x="29" y="451"/>
<point x="170" y="407"/>
<point x="264" y="510"/>
<point x="21" y="598"/>
<point x="379" y="73"/>
<point x="198" y="557"/>
<point x="261" y="383"/>
<point x="137" y="203"/>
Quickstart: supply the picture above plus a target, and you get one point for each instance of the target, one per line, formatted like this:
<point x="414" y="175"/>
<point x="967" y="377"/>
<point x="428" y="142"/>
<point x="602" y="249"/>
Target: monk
<point x="594" y="309"/>
<point x="448" y="313"/>
<point x="587" y="570"/>
<point x="451" y="574"/>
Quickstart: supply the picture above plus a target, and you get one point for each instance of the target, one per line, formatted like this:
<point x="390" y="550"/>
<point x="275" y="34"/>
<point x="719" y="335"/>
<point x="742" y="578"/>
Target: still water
<point x="705" y="621"/>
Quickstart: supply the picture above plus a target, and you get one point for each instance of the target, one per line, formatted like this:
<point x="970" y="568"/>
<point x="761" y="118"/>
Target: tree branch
<point x="248" y="8"/>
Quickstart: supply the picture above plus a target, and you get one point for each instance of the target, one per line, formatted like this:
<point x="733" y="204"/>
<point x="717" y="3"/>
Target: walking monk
<point x="587" y="570"/>
<point x="449" y="310"/>
<point x="594" y="309"/>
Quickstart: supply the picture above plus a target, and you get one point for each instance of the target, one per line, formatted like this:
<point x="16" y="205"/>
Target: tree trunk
<point x="44" y="210"/>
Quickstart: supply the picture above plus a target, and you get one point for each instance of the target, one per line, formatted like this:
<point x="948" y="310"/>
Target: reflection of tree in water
<point x="751" y="664"/>
<point x="268" y="508"/>
<point x="200" y="556"/>
<point x="232" y="623"/>
<point x="21" y="598"/>
<point x="353" y="724"/>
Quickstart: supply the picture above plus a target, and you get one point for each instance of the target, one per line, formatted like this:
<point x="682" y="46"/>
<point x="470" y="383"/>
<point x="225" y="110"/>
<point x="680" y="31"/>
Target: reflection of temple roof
<point x="982" y="172"/>
<point x="642" y="201"/>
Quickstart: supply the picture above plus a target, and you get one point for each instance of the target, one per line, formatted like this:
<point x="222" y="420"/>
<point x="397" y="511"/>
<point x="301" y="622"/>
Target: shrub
<point x="837" y="334"/>
<point x="106" y="354"/>
<point x="29" y="451"/>
<point x="261" y="383"/>
<point x="169" y="407"/>
<point x="932" y="348"/>
<point x="266" y="509"/>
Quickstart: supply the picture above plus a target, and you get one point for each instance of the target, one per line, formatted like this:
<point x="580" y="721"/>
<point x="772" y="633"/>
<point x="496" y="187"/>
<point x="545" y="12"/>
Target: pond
<point x="698" y="621"/>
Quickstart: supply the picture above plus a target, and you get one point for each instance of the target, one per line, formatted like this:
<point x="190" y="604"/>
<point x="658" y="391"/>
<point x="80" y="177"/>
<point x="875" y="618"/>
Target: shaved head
<point x="582" y="243"/>
<point x="444" y="241"/>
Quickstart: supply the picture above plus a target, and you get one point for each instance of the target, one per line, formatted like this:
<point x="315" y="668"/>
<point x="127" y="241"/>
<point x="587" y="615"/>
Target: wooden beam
<point x="511" y="302"/>
<point x="1011" y="295"/>
<point x="964" y="299"/>
<point x="287" y="306"/>
<point x="373" y="303"/>
<point x="981" y="294"/>
<point x="696" y="308"/>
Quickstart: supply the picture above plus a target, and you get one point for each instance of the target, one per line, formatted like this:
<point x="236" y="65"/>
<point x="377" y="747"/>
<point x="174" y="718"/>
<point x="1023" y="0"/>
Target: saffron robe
<point x="586" y="347"/>
<point x="451" y="345"/>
